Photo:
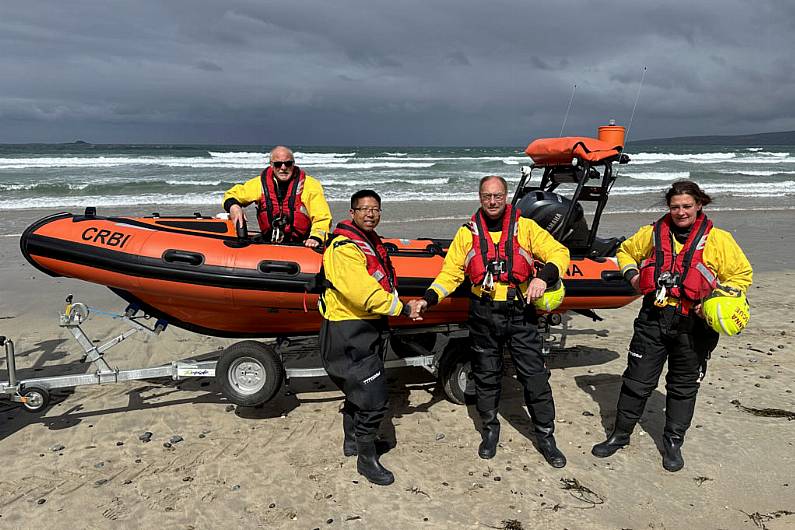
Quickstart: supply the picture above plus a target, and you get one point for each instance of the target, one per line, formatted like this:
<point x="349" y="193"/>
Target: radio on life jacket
<point x="497" y="266"/>
<point x="493" y="268"/>
<point x="277" y="229"/>
<point x="665" y="282"/>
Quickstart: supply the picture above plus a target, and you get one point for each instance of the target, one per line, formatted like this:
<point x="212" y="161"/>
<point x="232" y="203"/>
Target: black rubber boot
<point x="349" y="442"/>
<point x="490" y="434"/>
<point x="672" y="452"/>
<point x="547" y="447"/>
<point x="617" y="439"/>
<point x="368" y="465"/>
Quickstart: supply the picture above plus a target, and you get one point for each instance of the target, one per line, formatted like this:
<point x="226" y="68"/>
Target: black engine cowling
<point x="548" y="210"/>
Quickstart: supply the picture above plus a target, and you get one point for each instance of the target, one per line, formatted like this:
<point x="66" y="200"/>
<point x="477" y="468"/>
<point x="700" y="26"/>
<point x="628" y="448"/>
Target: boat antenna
<point x="635" y="106"/>
<point x="629" y="125"/>
<point x="566" y="116"/>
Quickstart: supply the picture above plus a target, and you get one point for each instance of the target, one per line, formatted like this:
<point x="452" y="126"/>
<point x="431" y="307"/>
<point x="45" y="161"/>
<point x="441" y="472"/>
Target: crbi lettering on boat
<point x="106" y="237"/>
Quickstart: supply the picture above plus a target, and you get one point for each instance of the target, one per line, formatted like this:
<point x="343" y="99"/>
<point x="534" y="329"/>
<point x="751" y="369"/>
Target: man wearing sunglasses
<point x="496" y="252"/>
<point x="290" y="204"/>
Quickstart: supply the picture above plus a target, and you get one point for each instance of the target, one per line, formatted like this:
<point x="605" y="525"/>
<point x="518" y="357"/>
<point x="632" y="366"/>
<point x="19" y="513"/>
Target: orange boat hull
<point x="195" y="274"/>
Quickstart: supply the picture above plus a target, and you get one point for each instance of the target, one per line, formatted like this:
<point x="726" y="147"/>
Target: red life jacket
<point x="290" y="215"/>
<point x="379" y="266"/>
<point x="507" y="261"/>
<point x="691" y="279"/>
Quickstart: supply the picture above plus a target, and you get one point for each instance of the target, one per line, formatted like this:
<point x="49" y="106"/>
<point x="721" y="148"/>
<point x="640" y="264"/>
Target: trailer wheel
<point x="455" y="372"/>
<point x="36" y="398"/>
<point x="249" y="373"/>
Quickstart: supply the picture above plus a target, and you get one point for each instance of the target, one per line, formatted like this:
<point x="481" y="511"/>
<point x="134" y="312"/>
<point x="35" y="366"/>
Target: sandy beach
<point x="81" y="463"/>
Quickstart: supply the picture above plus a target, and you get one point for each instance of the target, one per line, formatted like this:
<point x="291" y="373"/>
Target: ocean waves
<point x="120" y="176"/>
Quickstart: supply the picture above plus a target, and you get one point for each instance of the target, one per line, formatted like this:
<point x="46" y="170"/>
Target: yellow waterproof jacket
<point x="312" y="197"/>
<point x="532" y="238"/>
<point x="722" y="255"/>
<point x="355" y="294"/>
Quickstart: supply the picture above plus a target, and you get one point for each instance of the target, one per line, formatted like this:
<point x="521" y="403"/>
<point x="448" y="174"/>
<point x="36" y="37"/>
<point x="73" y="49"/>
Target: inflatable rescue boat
<point x="197" y="273"/>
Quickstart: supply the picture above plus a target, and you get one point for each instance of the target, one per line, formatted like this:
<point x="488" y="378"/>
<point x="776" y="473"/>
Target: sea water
<point x="73" y="176"/>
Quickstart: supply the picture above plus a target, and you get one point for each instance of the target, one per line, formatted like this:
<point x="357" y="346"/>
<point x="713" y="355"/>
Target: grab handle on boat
<point x="279" y="267"/>
<point x="612" y="276"/>
<point x="183" y="256"/>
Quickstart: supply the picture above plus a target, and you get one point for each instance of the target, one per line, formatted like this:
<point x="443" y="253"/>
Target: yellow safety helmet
<point x="726" y="310"/>
<point x="552" y="297"/>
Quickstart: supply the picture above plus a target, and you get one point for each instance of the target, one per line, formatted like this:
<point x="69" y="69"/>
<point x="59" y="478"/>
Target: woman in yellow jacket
<point x="675" y="263"/>
<point x="495" y="252"/>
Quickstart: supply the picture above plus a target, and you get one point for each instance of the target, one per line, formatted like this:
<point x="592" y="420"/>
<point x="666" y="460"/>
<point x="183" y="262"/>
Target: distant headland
<point x="771" y="138"/>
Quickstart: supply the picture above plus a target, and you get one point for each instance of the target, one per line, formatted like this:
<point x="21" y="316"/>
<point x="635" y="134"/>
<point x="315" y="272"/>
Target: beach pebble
<point x="100" y="482"/>
<point x="175" y="439"/>
<point x="439" y="436"/>
<point x="167" y="445"/>
<point x="99" y="465"/>
<point x="119" y="444"/>
<point x="236" y="487"/>
<point x="145" y="437"/>
<point x="57" y="447"/>
<point x="587" y="413"/>
<point x="41" y="501"/>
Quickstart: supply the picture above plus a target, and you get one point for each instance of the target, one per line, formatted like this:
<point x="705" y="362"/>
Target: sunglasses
<point x="279" y="163"/>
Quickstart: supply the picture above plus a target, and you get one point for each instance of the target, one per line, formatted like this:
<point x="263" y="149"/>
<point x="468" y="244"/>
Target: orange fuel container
<point x="612" y="134"/>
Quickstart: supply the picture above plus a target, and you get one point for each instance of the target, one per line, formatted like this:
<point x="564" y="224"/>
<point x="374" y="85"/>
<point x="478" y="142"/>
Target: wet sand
<point x="81" y="463"/>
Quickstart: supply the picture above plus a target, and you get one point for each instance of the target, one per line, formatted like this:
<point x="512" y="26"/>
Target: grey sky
<point x="449" y="72"/>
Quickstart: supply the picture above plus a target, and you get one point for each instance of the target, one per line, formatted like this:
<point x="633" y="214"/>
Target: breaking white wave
<point x="370" y="165"/>
<point x="756" y="173"/>
<point x="759" y="157"/>
<point x="374" y="182"/>
<point x="657" y="175"/>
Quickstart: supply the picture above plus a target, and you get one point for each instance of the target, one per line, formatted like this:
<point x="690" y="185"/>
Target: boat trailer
<point x="249" y="372"/>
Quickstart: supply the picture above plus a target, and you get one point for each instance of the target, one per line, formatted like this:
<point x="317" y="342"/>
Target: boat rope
<point x="566" y="115"/>
<point x="102" y="312"/>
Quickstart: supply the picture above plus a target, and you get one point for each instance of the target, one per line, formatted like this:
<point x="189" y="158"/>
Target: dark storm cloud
<point x="411" y="72"/>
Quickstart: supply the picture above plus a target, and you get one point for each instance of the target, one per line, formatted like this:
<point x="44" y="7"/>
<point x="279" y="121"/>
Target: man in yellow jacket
<point x="290" y="204"/>
<point x="495" y="252"/>
<point x="361" y="292"/>
<point x="675" y="263"/>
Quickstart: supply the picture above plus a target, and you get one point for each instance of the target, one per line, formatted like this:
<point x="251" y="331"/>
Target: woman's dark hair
<point x="687" y="187"/>
<point x="361" y="194"/>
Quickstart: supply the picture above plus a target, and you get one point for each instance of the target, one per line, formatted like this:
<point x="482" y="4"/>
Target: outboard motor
<point x="548" y="210"/>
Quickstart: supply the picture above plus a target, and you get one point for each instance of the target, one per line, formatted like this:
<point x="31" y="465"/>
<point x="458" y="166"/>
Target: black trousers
<point x="494" y="326"/>
<point x="661" y="334"/>
<point x="353" y="355"/>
